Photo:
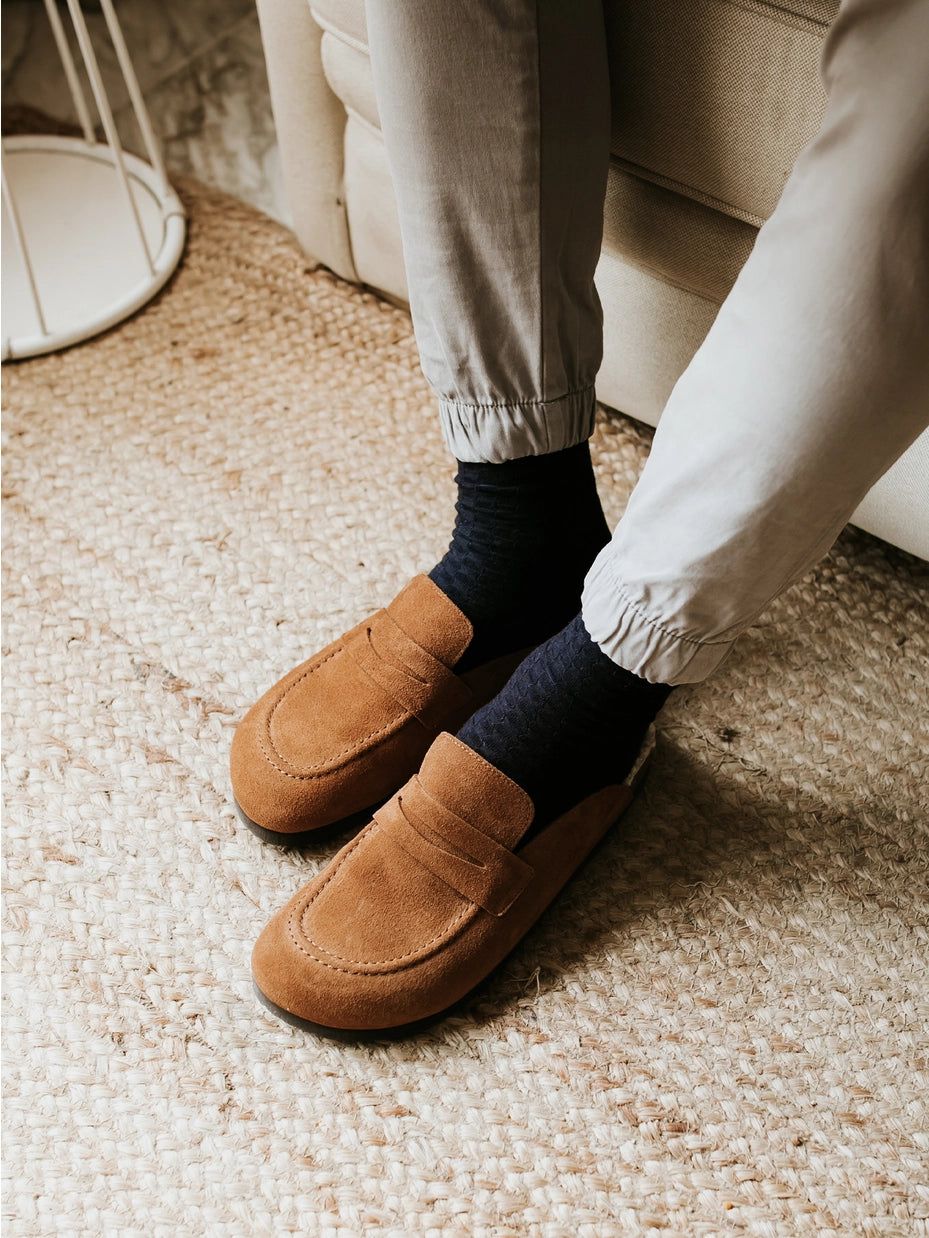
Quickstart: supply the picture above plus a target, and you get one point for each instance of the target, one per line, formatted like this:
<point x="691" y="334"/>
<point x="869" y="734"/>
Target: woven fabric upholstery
<point x="655" y="228"/>
<point x="713" y="100"/>
<point x="716" y="98"/>
<point x="704" y="151"/>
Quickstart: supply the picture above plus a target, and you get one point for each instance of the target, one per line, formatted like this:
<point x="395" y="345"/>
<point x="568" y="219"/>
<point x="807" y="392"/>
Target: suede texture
<point x="342" y="731"/>
<point x="417" y="909"/>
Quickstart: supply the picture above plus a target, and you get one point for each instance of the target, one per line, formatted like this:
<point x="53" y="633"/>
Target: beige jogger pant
<point x="814" y="377"/>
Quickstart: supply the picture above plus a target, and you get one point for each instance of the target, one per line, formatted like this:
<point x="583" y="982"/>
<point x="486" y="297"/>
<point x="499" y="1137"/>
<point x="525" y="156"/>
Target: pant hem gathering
<point x="637" y="642"/>
<point x="494" y="433"/>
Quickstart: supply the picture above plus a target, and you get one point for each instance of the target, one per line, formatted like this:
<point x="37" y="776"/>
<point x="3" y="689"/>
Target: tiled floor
<point x="201" y="68"/>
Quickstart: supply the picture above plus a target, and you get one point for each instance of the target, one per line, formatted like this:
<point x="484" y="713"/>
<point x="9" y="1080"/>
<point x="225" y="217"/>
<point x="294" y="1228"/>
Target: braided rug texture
<point x="719" y="1029"/>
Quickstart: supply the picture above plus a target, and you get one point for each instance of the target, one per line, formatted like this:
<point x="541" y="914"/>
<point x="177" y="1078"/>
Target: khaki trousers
<point x="814" y="377"/>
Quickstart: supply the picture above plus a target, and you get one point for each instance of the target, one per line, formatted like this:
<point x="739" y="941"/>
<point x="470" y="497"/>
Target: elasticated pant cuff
<point x="626" y="634"/>
<point x="495" y="433"/>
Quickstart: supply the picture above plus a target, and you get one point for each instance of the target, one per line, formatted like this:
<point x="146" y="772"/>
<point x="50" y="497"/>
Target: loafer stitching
<point x="360" y="968"/>
<point x="322" y="767"/>
<point x="321" y="770"/>
<point x="297" y="916"/>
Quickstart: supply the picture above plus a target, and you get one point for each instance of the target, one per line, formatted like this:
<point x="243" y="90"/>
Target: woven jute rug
<point x="720" y="1028"/>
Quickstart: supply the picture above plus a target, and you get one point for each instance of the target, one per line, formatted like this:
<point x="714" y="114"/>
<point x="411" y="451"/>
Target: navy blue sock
<point x="526" y="533"/>
<point x="568" y="722"/>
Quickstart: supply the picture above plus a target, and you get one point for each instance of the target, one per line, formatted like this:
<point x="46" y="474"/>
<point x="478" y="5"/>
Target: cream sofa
<point x="712" y="101"/>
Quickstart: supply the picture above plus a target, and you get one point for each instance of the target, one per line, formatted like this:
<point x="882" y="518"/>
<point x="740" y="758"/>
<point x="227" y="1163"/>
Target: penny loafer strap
<point x="409" y="674"/>
<point x="475" y="865"/>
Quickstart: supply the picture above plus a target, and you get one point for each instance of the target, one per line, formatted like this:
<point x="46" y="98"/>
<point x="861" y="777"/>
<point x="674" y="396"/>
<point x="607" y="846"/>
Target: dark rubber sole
<point x="305" y="838"/>
<point x="404" y="1031"/>
<point x="356" y="1035"/>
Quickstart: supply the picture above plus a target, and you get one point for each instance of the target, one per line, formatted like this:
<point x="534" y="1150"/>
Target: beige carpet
<point x="720" y="1029"/>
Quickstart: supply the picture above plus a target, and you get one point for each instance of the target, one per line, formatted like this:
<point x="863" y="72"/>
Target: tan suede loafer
<point x="339" y="734"/>
<point x="427" y="900"/>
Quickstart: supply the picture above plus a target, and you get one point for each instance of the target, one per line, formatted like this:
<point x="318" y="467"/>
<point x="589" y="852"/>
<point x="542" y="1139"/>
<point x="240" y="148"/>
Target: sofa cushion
<point x="684" y="242"/>
<point x="344" y="17"/>
<point x="711" y="98"/>
<point x="348" y="72"/>
<point x="716" y="98"/>
<point x="372" y="211"/>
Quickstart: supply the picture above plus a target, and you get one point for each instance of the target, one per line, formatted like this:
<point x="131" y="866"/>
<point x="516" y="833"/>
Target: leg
<point x="500" y="167"/>
<point x="502" y="227"/>
<point x="499" y="164"/>
<point x="813" y="379"/>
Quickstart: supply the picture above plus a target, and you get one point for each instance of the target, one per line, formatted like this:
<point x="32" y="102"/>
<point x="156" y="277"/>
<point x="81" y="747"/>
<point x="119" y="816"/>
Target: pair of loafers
<point x="446" y="874"/>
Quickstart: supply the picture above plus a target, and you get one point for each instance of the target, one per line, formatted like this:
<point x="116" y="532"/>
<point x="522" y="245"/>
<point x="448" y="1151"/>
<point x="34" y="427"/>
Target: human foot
<point x="427" y="900"/>
<point x="568" y="722"/>
<point x="340" y="733"/>
<point x="526" y="533"/>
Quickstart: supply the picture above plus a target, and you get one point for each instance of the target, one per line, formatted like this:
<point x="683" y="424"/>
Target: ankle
<point x="568" y="722"/>
<point x="525" y="536"/>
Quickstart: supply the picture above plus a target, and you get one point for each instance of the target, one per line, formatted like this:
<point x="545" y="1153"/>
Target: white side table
<point x="90" y="233"/>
